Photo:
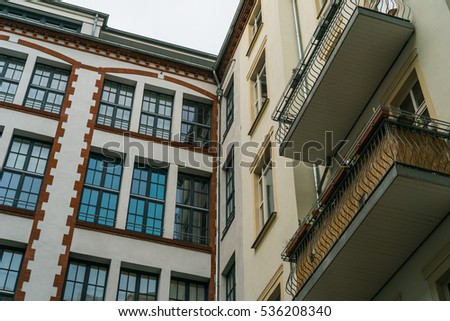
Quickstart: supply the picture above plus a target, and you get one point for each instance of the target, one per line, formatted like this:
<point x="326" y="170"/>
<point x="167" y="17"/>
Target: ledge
<point x="258" y="117"/>
<point x="28" y="110"/>
<point x="7" y="210"/>
<point x="143" y="237"/>
<point x="265" y="230"/>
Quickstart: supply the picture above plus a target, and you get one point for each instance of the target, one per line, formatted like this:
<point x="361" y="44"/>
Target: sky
<point x="196" y="24"/>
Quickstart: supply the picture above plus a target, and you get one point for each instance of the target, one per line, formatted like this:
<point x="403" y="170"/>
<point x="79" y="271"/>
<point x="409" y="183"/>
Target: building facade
<point x="309" y="160"/>
<point x="351" y="182"/>
<point x="107" y="189"/>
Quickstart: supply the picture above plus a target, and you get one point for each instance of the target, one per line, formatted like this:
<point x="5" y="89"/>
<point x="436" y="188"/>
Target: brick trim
<point x="6" y="210"/>
<point x="27" y="110"/>
<point x="190" y="86"/>
<point x="130" y="72"/>
<point x="48" y="51"/>
<point x="143" y="237"/>
<point x="29" y="256"/>
<point x="78" y="187"/>
<point x="4" y="37"/>
<point x="94" y="47"/>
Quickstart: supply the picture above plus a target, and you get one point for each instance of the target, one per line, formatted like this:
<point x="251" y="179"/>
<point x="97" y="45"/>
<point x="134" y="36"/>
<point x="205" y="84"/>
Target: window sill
<point x="142" y="236"/>
<point x="28" y="110"/>
<point x="170" y="143"/>
<point x="254" y="39"/>
<point x="265" y="230"/>
<point x="16" y="212"/>
<point x="258" y="117"/>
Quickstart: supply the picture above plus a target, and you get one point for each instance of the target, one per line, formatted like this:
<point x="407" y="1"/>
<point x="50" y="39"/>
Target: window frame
<point x="101" y="190"/>
<point x="185" y="137"/>
<point x="112" y="121"/>
<point x="266" y="203"/>
<point x="147" y="199"/>
<point x="189" y="235"/>
<point x="4" y="294"/>
<point x="8" y="60"/>
<point x="230" y="190"/>
<point x="229" y="110"/>
<point x="187" y="286"/>
<point x="47" y="90"/>
<point x="24" y="173"/>
<point x="230" y="283"/>
<point x="136" y="293"/>
<point x="85" y="284"/>
<point x="157" y="115"/>
<point x="260" y="88"/>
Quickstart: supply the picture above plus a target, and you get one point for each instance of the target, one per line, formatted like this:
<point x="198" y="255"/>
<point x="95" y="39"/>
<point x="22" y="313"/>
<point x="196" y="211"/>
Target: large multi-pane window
<point x="192" y="210"/>
<point x="187" y="290"/>
<point x="101" y="191"/>
<point x="229" y="186"/>
<point x="230" y="107"/>
<point x="115" y="105"/>
<point x="265" y="194"/>
<point x="146" y="209"/>
<point x="156" y="115"/>
<point x="196" y="123"/>
<point x="231" y="284"/>
<point x="137" y="286"/>
<point x="260" y="88"/>
<point x="10" y="261"/>
<point x="21" y="180"/>
<point x="47" y="88"/>
<point x="85" y="281"/>
<point x="11" y="70"/>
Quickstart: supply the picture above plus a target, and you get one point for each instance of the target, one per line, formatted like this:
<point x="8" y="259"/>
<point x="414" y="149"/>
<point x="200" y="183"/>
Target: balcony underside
<point x="404" y="209"/>
<point x="369" y="45"/>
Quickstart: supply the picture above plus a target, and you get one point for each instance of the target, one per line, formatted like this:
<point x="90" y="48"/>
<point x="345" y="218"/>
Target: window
<point x="85" y="281"/>
<point x="11" y="70"/>
<point x="229" y="186"/>
<point x="196" y="123"/>
<point x="137" y="286"/>
<point x="192" y="211"/>
<point x="260" y="88"/>
<point x="47" y="88"/>
<point x="257" y="23"/>
<point x="231" y="283"/>
<point x="39" y="18"/>
<point x="230" y="107"/>
<point x="414" y="101"/>
<point x="186" y="290"/>
<point x="21" y="180"/>
<point x="156" y="116"/>
<point x="101" y="191"/>
<point x="265" y="194"/>
<point x="115" y="105"/>
<point x="10" y="262"/>
<point x="146" y="209"/>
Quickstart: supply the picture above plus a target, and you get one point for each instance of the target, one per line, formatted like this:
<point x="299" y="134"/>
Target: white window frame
<point x="259" y="84"/>
<point x="266" y="206"/>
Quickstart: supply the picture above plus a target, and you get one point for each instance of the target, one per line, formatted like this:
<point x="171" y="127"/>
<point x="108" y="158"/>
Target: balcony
<point x="388" y="196"/>
<point x="352" y="49"/>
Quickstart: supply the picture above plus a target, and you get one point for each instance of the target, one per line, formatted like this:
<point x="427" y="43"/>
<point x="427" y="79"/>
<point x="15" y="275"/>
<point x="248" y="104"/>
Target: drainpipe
<point x="298" y="34"/>
<point x="219" y="93"/>
<point x="94" y="26"/>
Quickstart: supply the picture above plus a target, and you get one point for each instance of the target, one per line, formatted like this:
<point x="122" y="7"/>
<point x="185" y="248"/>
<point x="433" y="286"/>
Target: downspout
<point x="219" y="93"/>
<point x="298" y="36"/>
<point x="94" y="26"/>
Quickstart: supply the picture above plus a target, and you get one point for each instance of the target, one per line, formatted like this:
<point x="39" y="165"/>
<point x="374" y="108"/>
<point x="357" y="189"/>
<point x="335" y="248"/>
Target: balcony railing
<point x="391" y="137"/>
<point x="328" y="33"/>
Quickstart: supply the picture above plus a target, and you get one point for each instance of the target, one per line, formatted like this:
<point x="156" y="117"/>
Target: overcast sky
<point x="196" y="24"/>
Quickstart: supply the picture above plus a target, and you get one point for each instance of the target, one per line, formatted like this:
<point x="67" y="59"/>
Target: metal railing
<point x="330" y="29"/>
<point x="391" y="137"/>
